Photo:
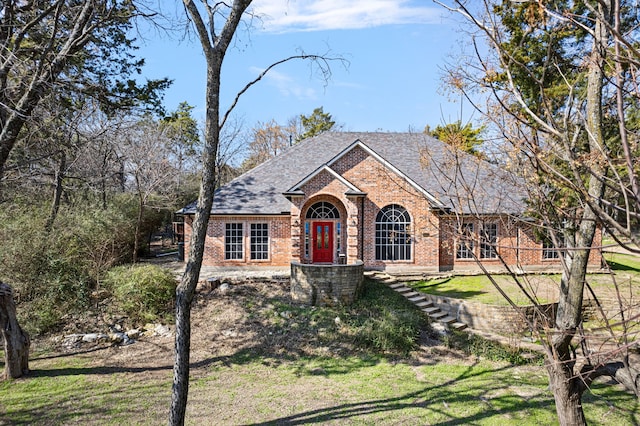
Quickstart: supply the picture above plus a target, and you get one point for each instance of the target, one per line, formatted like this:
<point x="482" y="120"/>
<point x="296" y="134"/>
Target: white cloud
<point x="316" y="15"/>
<point x="287" y="85"/>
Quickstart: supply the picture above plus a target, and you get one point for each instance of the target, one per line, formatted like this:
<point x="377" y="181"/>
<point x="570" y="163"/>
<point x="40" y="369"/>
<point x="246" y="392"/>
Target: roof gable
<point x="297" y="188"/>
<point x="358" y="143"/>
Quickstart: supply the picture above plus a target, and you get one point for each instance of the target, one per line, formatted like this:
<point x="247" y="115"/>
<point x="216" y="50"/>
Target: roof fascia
<point x="315" y="173"/>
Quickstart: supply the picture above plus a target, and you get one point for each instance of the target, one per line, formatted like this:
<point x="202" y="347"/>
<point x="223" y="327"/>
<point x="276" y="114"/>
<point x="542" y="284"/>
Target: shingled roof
<point x="451" y="179"/>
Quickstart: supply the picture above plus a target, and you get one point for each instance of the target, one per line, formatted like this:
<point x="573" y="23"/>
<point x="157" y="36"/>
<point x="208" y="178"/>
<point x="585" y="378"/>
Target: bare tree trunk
<point x="57" y="192"/>
<point x="567" y="392"/>
<point x="136" y="238"/>
<point x="565" y="383"/>
<point x="16" y="340"/>
<point x="214" y="47"/>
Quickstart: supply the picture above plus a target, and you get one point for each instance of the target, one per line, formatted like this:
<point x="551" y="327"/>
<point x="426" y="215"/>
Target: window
<point x="259" y="241"/>
<point x="233" y="247"/>
<point x="393" y="233"/>
<point x="549" y="250"/>
<point x="306" y="239"/>
<point x="489" y="241"/>
<point x="465" y="245"/>
<point x="323" y="210"/>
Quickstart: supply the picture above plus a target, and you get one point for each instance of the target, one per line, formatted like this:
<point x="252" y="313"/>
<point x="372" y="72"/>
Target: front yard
<point x="479" y="288"/>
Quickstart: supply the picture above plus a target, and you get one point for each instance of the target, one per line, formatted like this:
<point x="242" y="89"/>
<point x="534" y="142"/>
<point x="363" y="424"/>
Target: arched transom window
<point x="393" y="233"/>
<point x="323" y="210"/>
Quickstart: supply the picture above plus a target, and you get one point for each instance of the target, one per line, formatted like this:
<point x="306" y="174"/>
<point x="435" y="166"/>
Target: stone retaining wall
<point x="497" y="319"/>
<point x="326" y="285"/>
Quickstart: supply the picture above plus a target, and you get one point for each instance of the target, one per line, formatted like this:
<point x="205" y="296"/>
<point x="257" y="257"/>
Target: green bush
<point x="142" y="292"/>
<point x="54" y="273"/>
<point x="384" y="321"/>
<point x="472" y="344"/>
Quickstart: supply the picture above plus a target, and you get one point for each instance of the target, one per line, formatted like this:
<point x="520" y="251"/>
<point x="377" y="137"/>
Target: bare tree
<point x="562" y="98"/>
<point x="215" y="33"/>
<point x="145" y="150"/>
<point x="79" y="46"/>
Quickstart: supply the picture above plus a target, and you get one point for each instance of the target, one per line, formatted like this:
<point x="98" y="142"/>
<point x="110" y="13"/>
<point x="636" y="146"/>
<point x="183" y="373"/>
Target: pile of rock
<point x="115" y="336"/>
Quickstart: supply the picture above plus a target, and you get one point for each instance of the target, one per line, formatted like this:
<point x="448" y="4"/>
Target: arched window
<point x="323" y="210"/>
<point x="393" y="233"/>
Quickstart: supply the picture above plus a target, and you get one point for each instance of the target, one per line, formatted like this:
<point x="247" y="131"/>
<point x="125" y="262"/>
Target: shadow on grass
<point x="621" y="266"/>
<point x="436" y="399"/>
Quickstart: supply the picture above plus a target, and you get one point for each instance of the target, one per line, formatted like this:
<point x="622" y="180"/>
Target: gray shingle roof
<point x="457" y="180"/>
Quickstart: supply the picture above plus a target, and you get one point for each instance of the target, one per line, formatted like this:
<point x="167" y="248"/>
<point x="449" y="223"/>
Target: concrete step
<point x="448" y="319"/>
<point x="438" y="315"/>
<point x="457" y="326"/>
<point x="431" y="310"/>
<point x="416" y="299"/>
<point x="397" y="285"/>
<point x="424" y="304"/>
<point x="403" y="289"/>
<point x="410" y="294"/>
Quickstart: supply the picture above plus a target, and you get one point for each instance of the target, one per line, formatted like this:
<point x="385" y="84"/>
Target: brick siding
<point x="434" y="236"/>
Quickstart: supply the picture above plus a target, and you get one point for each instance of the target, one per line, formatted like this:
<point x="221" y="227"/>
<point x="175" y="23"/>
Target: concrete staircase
<point x="421" y="302"/>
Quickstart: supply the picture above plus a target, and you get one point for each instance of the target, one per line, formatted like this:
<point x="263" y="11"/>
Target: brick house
<point x="394" y="200"/>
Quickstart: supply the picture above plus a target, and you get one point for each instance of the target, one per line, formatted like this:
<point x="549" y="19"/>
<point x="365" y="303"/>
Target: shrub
<point x="54" y="273"/>
<point x="142" y="292"/>
<point x="385" y="321"/>
<point x="472" y="344"/>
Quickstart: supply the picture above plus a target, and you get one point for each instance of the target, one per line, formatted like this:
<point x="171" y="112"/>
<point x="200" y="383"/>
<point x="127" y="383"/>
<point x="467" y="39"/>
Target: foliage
<point x="68" y="51"/>
<point x="465" y="138"/>
<point x="143" y="292"/>
<point x="472" y="344"/>
<point x="316" y="123"/>
<point x="561" y="82"/>
<point x="55" y="273"/>
<point x="385" y="321"/>
<point x="379" y="322"/>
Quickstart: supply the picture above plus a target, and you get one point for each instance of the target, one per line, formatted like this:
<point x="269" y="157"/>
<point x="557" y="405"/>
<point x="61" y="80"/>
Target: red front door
<point x="322" y="242"/>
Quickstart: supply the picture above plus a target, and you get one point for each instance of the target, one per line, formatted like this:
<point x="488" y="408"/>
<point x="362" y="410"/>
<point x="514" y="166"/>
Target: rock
<point x="161" y="330"/>
<point x="134" y="333"/>
<point x="94" y="337"/>
<point x="229" y="333"/>
<point x="118" y="337"/>
<point x="90" y="337"/>
<point x="224" y="287"/>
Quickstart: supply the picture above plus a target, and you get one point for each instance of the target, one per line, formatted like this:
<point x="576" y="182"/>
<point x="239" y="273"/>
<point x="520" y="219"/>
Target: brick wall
<point x="434" y="237"/>
<point x="279" y="228"/>
<point x="384" y="187"/>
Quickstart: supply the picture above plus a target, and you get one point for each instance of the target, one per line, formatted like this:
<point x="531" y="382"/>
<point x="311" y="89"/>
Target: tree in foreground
<point x="215" y="34"/>
<point x="562" y="78"/>
<point x="16" y="341"/>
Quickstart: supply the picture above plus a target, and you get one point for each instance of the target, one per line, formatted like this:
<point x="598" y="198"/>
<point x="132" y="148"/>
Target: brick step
<point x="438" y="315"/>
<point x="457" y="326"/>
<point x="431" y="310"/>
<point x="416" y="299"/>
<point x="424" y="304"/>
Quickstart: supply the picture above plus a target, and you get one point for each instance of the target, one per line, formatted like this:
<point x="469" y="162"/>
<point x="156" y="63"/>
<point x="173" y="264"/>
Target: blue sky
<point x="395" y="49"/>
